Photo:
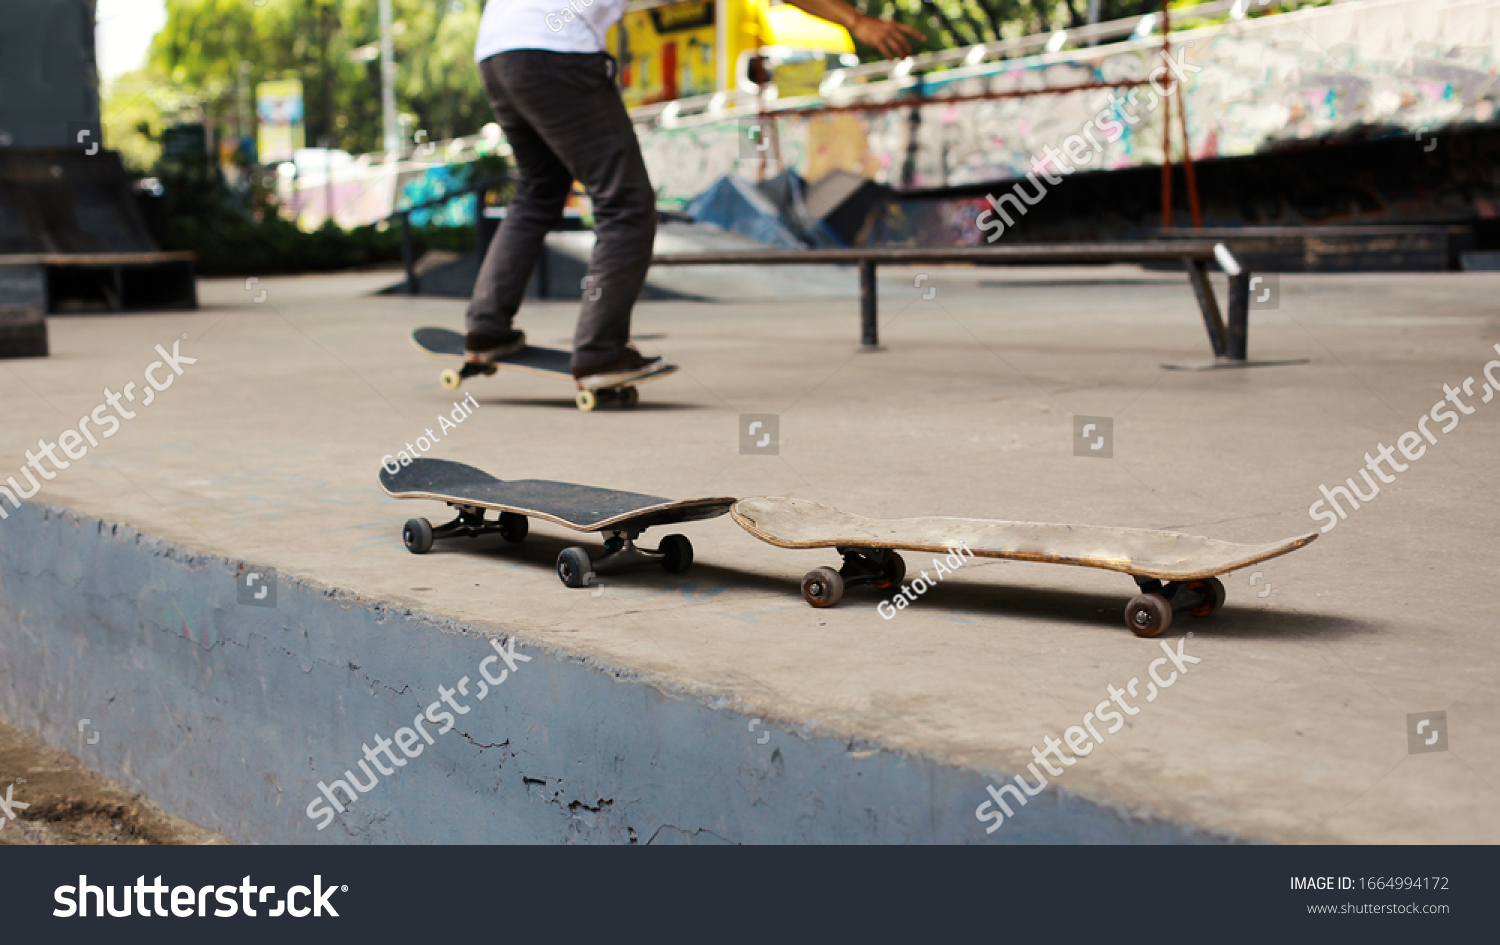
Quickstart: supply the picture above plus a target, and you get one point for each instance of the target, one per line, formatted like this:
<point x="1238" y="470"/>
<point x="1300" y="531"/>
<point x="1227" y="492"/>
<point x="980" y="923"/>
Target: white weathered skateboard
<point x="1175" y="572"/>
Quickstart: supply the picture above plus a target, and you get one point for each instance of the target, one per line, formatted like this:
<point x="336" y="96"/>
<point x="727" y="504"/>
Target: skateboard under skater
<point x="449" y="344"/>
<point x="1175" y="572"/>
<point x="622" y="516"/>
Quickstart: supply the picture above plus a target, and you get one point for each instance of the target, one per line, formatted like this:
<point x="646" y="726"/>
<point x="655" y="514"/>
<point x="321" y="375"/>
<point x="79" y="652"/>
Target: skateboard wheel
<point x="1213" y="589"/>
<point x="416" y="534"/>
<point x="587" y="400"/>
<point x="1148" y="615"/>
<point x="678" y="553"/>
<point x="630" y="396"/>
<point x="822" y="587"/>
<point x="514" y="527"/>
<point x="893" y="573"/>
<point x="575" y="567"/>
<point x="450" y="379"/>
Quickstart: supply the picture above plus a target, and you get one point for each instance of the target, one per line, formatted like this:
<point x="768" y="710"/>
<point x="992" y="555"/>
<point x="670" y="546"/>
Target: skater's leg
<point x="572" y="102"/>
<point x="542" y="187"/>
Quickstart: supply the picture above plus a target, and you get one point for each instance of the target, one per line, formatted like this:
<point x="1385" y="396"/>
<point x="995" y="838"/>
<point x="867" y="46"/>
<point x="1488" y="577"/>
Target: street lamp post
<point x="390" y="131"/>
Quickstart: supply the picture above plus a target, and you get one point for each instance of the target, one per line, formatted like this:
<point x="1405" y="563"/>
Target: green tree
<point x="204" y="41"/>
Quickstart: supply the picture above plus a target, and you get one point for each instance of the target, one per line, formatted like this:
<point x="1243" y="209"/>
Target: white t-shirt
<point x="573" y="26"/>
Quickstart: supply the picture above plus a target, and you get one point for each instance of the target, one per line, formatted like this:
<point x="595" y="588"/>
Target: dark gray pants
<point x="564" y="120"/>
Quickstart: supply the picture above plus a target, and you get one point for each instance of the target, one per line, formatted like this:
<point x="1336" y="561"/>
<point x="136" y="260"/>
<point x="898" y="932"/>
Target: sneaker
<point x="631" y="365"/>
<point x="479" y="346"/>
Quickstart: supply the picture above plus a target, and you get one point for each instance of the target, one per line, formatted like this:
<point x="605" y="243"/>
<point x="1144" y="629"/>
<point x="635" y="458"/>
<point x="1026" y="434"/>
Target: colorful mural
<point x="365" y="194"/>
<point x="1370" y="68"/>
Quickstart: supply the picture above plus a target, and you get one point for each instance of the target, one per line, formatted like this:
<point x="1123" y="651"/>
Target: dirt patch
<point x="70" y="804"/>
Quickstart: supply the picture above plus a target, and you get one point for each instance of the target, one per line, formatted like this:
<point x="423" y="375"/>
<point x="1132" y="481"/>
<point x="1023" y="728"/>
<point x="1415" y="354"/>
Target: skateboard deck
<point x="448" y="344"/>
<point x="1188" y="563"/>
<point x="624" y="515"/>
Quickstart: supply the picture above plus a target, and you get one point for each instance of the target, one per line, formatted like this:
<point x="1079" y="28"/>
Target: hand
<point x="889" y="37"/>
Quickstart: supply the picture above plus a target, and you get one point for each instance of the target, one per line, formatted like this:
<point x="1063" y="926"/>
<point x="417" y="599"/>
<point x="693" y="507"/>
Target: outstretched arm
<point x="891" y="38"/>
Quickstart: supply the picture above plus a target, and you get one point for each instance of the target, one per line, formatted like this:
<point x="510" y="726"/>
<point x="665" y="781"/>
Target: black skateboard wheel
<point x="629" y="396"/>
<point x="1148" y="615"/>
<point x="892" y="574"/>
<point x="822" y="587"/>
<point x="574" y="567"/>
<point x="678" y="553"/>
<point x="416" y="534"/>
<point x="1213" y="590"/>
<point x="514" y="527"/>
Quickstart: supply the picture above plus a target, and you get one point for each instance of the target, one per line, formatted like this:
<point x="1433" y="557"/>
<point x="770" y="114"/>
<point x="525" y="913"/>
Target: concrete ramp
<point x="63" y="201"/>
<point x="72" y="239"/>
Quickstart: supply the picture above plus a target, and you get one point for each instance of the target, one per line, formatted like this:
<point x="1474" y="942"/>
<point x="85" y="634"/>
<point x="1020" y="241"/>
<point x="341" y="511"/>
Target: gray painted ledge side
<point x="231" y="715"/>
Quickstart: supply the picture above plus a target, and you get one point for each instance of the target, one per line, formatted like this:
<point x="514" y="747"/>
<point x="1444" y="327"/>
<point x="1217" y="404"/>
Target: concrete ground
<point x="1292" y="728"/>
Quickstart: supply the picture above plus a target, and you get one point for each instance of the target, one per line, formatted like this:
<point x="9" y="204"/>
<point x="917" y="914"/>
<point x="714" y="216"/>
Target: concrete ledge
<point x="231" y="715"/>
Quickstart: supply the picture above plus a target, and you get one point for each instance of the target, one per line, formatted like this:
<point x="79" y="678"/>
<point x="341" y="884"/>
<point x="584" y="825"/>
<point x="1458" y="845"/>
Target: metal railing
<point x="408" y="262"/>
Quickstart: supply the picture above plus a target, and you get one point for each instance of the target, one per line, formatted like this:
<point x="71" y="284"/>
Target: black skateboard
<point x="446" y="343"/>
<point x="622" y="516"/>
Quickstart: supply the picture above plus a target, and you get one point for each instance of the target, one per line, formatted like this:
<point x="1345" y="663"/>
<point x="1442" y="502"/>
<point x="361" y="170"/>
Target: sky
<point x="123" y="33"/>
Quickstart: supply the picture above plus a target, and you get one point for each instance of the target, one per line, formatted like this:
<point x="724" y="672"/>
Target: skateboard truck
<point x="1150" y="612"/>
<point x="879" y="567"/>
<point x="575" y="567"/>
<point x="453" y="380"/>
<point x="418" y="534"/>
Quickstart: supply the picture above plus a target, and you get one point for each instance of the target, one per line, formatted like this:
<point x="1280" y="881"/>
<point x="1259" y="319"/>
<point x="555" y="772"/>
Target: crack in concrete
<point x="690" y="833"/>
<point x="603" y="802"/>
<point x="481" y="746"/>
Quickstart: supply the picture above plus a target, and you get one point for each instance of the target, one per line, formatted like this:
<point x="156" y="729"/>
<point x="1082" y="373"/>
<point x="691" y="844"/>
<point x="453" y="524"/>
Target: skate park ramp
<point x="63" y="201"/>
<point x="559" y="276"/>
<point x="72" y="239"/>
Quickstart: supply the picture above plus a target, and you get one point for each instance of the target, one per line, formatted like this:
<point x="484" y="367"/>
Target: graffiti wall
<point x="1364" y="70"/>
<point x="365" y="194"/>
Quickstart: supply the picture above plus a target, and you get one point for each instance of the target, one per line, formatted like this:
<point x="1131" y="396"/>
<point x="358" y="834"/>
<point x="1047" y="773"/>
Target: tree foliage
<point x="437" y="86"/>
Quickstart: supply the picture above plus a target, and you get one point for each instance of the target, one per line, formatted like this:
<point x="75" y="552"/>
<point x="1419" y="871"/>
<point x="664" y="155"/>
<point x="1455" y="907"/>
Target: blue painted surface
<point x="230" y="716"/>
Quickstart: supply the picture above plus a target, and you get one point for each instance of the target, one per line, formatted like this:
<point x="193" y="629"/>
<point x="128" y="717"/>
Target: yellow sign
<point x="799" y="77"/>
<point x="670" y="52"/>
<point x="278" y="105"/>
